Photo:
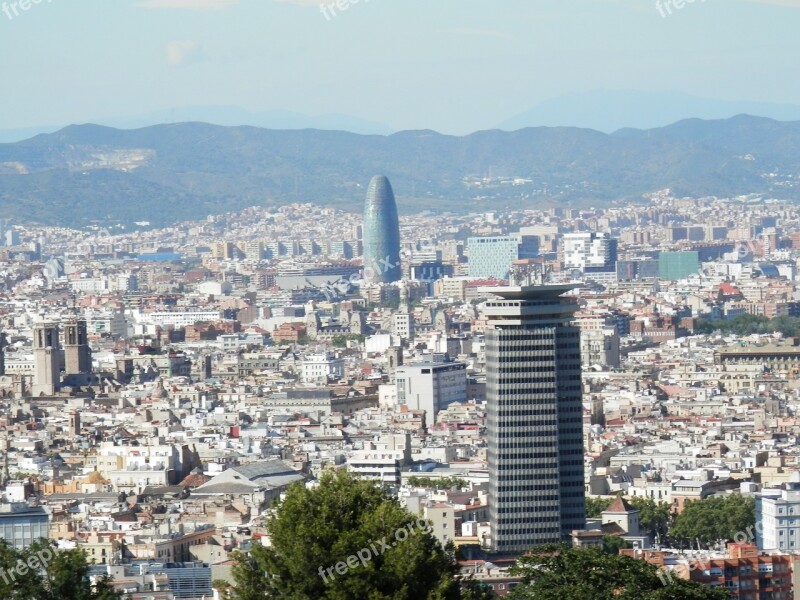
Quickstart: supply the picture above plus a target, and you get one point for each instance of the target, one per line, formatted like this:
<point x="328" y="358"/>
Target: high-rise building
<point x="590" y="252"/>
<point x="629" y="270"/>
<point x="678" y="265"/>
<point x="381" y="234"/>
<point x="534" y="426"/>
<point x="493" y="256"/>
<point x="12" y="237"/>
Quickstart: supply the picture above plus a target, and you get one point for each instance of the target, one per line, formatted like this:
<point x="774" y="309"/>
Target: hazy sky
<point x="450" y="65"/>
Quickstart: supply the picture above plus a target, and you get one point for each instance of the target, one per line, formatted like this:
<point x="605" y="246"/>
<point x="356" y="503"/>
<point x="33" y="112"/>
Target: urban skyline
<point x="316" y="299"/>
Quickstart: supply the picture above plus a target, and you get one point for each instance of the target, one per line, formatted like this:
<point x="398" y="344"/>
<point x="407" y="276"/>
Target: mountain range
<point x="86" y="174"/>
<point x="611" y="110"/>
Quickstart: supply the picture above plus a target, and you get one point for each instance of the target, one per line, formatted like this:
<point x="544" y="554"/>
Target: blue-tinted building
<point x="678" y="265"/>
<point x="381" y="233"/>
<point x="629" y="270"/>
<point x="429" y="272"/>
<point x="492" y="256"/>
<point x="21" y="524"/>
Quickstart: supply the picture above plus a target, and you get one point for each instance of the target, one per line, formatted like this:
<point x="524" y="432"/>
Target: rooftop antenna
<point x="528" y="275"/>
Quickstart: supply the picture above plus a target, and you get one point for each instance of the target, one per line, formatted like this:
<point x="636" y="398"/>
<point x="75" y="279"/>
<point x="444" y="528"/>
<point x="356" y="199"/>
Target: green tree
<point x="561" y="572"/>
<point x="40" y="572"/>
<point x="654" y="517"/>
<point x="612" y="544"/>
<point x="749" y="324"/>
<point x="595" y="506"/>
<point x="346" y="539"/>
<point x="713" y="519"/>
<point x="445" y="483"/>
<point x="340" y="341"/>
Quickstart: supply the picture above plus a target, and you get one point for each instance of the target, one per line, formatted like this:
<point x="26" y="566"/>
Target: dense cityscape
<point x="399" y="300"/>
<point x="513" y="380"/>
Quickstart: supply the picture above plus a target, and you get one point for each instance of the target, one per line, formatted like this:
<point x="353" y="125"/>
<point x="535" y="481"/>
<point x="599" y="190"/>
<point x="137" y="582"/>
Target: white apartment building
<point x="105" y="321"/>
<point x="600" y="347"/>
<point x="381" y="460"/>
<point x="89" y="286"/>
<point x="404" y="325"/>
<point x="592" y="251"/>
<point x="318" y="368"/>
<point x="178" y="318"/>
<point x="778" y="519"/>
<point x="431" y="387"/>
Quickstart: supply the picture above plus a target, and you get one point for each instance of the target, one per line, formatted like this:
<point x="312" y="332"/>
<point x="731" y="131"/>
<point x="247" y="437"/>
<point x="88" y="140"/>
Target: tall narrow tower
<point x="534" y="424"/>
<point x="74" y="424"/>
<point x="381" y="233"/>
<point x="3" y="344"/>
<point x="77" y="353"/>
<point x="46" y="359"/>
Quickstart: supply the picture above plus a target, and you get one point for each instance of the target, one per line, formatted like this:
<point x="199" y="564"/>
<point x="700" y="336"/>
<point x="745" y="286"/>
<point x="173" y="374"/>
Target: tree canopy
<point x="749" y="324"/>
<point x="595" y="506"/>
<point x="713" y="519"/>
<point x="561" y="572"/>
<point x="340" y="341"/>
<point x="445" y="483"/>
<point x="654" y="517"/>
<point x="346" y="539"/>
<point x="40" y="572"/>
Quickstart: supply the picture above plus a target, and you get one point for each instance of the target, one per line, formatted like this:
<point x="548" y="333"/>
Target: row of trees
<point x="561" y="572"/>
<point x="444" y="483"/>
<point x="341" y="541"/>
<point x="706" y="521"/>
<point x="750" y="324"/>
<point x="654" y="517"/>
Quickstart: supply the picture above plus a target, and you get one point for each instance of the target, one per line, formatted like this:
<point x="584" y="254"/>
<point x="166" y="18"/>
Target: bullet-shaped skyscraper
<point x="381" y="233"/>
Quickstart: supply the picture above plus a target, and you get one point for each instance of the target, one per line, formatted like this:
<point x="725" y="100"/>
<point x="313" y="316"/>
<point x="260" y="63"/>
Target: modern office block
<point x="677" y="265"/>
<point x="534" y="425"/>
<point x="589" y="251"/>
<point x="491" y="256"/>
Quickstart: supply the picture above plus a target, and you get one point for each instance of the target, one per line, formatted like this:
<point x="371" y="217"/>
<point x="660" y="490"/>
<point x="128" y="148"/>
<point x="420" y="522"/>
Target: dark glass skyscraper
<point x="381" y="233"/>
<point x="534" y="416"/>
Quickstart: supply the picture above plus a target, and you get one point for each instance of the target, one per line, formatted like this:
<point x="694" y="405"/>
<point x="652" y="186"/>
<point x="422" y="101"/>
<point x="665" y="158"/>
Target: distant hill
<point x="229" y="116"/>
<point x="169" y="173"/>
<point x="610" y="110"/>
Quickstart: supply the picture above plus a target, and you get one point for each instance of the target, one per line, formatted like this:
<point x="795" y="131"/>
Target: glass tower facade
<point x="534" y="418"/>
<point x="381" y="234"/>
<point x="678" y="265"/>
<point x="492" y="256"/>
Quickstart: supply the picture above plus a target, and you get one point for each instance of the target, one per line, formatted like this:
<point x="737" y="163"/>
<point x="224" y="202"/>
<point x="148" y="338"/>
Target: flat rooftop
<point x="518" y="292"/>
